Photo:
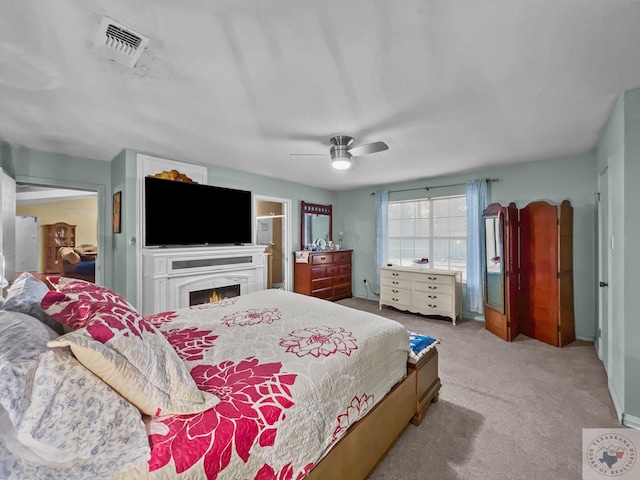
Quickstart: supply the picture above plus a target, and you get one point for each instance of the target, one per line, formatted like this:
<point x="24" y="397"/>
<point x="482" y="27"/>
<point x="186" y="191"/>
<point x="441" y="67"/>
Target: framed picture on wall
<point x="117" y="212"/>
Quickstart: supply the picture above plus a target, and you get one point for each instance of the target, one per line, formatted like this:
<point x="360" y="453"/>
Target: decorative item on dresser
<point x="56" y="235"/>
<point x="324" y="274"/>
<point x="422" y="290"/>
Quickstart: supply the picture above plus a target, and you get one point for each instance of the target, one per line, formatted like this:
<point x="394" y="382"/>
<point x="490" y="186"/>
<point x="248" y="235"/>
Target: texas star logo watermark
<point x="610" y="453"/>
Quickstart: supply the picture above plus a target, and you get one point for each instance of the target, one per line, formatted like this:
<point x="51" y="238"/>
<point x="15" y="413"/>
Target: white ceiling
<point x="449" y="85"/>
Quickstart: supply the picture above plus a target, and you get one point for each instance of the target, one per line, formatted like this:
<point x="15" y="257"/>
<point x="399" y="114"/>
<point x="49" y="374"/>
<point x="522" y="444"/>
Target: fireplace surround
<point x="170" y="275"/>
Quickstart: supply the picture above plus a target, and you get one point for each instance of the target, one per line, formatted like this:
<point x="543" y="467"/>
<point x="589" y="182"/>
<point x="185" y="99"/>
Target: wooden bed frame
<point x="366" y="442"/>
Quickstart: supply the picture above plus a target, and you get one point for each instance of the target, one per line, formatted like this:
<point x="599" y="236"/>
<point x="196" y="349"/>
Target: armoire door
<point x="511" y="242"/>
<point x="546" y="266"/>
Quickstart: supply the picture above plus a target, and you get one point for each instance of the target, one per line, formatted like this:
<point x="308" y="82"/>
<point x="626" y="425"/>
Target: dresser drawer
<point x="391" y="295"/>
<point x="394" y="275"/>
<point x="324" y="293"/>
<point x="333" y="270"/>
<point x="342" y="290"/>
<point x="439" y="279"/>
<point x="323" y="259"/>
<point x="432" y="287"/>
<point x="318" y="272"/>
<point x="435" y="302"/>
<point x="396" y="282"/>
<point x="344" y="269"/>
<point x="321" y="283"/>
<point x="342" y="257"/>
<point x="342" y="280"/>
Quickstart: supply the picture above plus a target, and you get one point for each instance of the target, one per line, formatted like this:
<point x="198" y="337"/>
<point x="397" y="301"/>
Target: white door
<point x="26" y="243"/>
<point x="273" y="228"/>
<point x="7" y="225"/>
<point x="604" y="235"/>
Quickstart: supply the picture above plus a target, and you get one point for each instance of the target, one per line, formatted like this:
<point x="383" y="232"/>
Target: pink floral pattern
<point x="109" y="318"/>
<point x="356" y="409"/>
<point x="253" y="398"/>
<point x="190" y="343"/>
<point x="225" y="302"/>
<point x="287" y="472"/>
<point x="158" y="319"/>
<point x="318" y="341"/>
<point x="252" y="316"/>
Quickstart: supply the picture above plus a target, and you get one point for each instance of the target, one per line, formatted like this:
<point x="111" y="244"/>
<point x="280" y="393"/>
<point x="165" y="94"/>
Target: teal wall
<point x="571" y="178"/>
<point x="632" y="255"/>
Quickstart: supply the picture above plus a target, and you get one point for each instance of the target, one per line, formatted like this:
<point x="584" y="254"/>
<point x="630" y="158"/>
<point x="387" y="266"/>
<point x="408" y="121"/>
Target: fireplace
<point x="215" y="294"/>
<point x="174" y="277"/>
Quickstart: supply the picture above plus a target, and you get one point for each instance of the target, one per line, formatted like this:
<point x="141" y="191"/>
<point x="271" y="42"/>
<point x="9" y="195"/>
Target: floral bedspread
<point x="292" y="372"/>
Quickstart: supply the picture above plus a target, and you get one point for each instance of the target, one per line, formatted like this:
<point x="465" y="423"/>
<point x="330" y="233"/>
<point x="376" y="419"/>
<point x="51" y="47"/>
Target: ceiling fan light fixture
<point x="340" y="163"/>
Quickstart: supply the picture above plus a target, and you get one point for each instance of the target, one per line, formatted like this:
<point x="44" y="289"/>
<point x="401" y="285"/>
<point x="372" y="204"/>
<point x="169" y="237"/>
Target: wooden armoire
<point x="540" y="303"/>
<point x="54" y="236"/>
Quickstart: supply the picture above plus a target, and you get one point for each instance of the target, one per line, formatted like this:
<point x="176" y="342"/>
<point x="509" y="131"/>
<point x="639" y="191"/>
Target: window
<point x="433" y="228"/>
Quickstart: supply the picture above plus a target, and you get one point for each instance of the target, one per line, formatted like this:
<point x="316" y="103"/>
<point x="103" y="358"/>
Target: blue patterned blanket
<point x="420" y="345"/>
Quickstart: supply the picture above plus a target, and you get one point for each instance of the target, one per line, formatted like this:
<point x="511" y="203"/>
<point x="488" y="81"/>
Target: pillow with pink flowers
<point x="118" y="345"/>
<point x="72" y="299"/>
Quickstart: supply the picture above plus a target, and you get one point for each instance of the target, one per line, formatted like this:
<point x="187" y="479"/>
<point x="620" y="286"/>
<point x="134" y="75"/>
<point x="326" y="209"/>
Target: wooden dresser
<point x="422" y="290"/>
<point x="326" y="275"/>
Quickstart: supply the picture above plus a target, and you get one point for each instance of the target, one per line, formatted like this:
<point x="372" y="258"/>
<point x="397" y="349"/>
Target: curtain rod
<point x="488" y="180"/>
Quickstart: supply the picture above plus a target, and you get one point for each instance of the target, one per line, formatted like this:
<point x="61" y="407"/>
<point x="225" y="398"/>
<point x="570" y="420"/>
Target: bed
<point x="266" y="385"/>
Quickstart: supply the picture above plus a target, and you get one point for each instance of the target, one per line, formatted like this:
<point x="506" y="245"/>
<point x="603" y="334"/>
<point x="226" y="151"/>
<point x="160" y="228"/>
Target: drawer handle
<point x="431" y="287"/>
<point x="394" y="291"/>
<point x="432" y="296"/>
<point x="322" y="258"/>
<point x="432" y="278"/>
<point x="395" y="299"/>
<point x="432" y="306"/>
<point x="395" y="274"/>
<point x="396" y="283"/>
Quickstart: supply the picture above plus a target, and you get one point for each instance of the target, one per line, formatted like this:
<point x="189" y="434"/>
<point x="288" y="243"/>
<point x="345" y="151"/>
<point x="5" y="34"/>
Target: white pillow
<point x="128" y="353"/>
<point x="56" y="413"/>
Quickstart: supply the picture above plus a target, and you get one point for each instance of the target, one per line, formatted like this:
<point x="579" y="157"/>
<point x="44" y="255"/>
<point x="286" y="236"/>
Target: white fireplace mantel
<point x="169" y="274"/>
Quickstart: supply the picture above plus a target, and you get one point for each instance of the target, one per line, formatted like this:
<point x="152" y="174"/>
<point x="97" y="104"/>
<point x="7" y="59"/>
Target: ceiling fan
<point x="342" y="151"/>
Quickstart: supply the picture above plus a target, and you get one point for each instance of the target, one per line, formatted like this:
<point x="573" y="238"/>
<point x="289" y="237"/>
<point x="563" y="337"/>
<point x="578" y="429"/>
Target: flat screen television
<point x="179" y="213"/>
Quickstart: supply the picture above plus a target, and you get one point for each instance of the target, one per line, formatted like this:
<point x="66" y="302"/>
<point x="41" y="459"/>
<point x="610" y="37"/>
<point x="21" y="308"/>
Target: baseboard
<point x="616" y="400"/>
<point x="631" y="421"/>
<point x="586" y="339"/>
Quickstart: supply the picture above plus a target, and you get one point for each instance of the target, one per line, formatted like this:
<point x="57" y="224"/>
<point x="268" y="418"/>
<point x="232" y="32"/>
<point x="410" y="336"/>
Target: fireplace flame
<point x="215" y="297"/>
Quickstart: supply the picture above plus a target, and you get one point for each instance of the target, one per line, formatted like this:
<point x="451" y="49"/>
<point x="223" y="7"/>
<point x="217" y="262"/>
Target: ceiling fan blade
<point x="311" y="154"/>
<point x="368" y="148"/>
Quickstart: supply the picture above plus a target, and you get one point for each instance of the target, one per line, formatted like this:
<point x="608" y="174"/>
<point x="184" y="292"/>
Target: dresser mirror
<point x="316" y="223"/>
<point x="494" y="270"/>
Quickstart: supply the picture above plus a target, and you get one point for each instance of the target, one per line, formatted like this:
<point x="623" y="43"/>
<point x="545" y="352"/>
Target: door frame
<point x="286" y="237"/>
<point x="103" y="274"/>
<point x="602" y="333"/>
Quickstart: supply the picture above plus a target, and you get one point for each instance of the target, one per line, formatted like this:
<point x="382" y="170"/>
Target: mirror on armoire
<point x="494" y="270"/>
<point x="501" y="253"/>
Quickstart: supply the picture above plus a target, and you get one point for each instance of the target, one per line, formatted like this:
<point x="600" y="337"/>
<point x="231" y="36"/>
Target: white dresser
<point x="422" y="290"/>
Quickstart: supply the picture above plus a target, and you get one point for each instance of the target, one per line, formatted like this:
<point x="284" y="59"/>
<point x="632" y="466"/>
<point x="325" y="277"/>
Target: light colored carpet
<point x="506" y="410"/>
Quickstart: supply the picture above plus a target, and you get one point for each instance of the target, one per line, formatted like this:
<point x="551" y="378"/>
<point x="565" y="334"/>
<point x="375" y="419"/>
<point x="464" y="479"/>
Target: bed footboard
<point x="371" y="437"/>
<point x="427" y="384"/>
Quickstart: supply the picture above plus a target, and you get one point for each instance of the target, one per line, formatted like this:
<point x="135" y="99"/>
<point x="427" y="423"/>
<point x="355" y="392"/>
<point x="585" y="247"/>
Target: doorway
<point x="273" y="230"/>
<point x="37" y="206"/>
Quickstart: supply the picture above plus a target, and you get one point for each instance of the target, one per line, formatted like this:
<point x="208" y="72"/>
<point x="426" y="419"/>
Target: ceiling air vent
<point x="119" y="43"/>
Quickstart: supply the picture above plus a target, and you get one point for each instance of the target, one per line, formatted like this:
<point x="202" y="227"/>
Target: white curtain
<point x="477" y="201"/>
<point x="382" y="207"/>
